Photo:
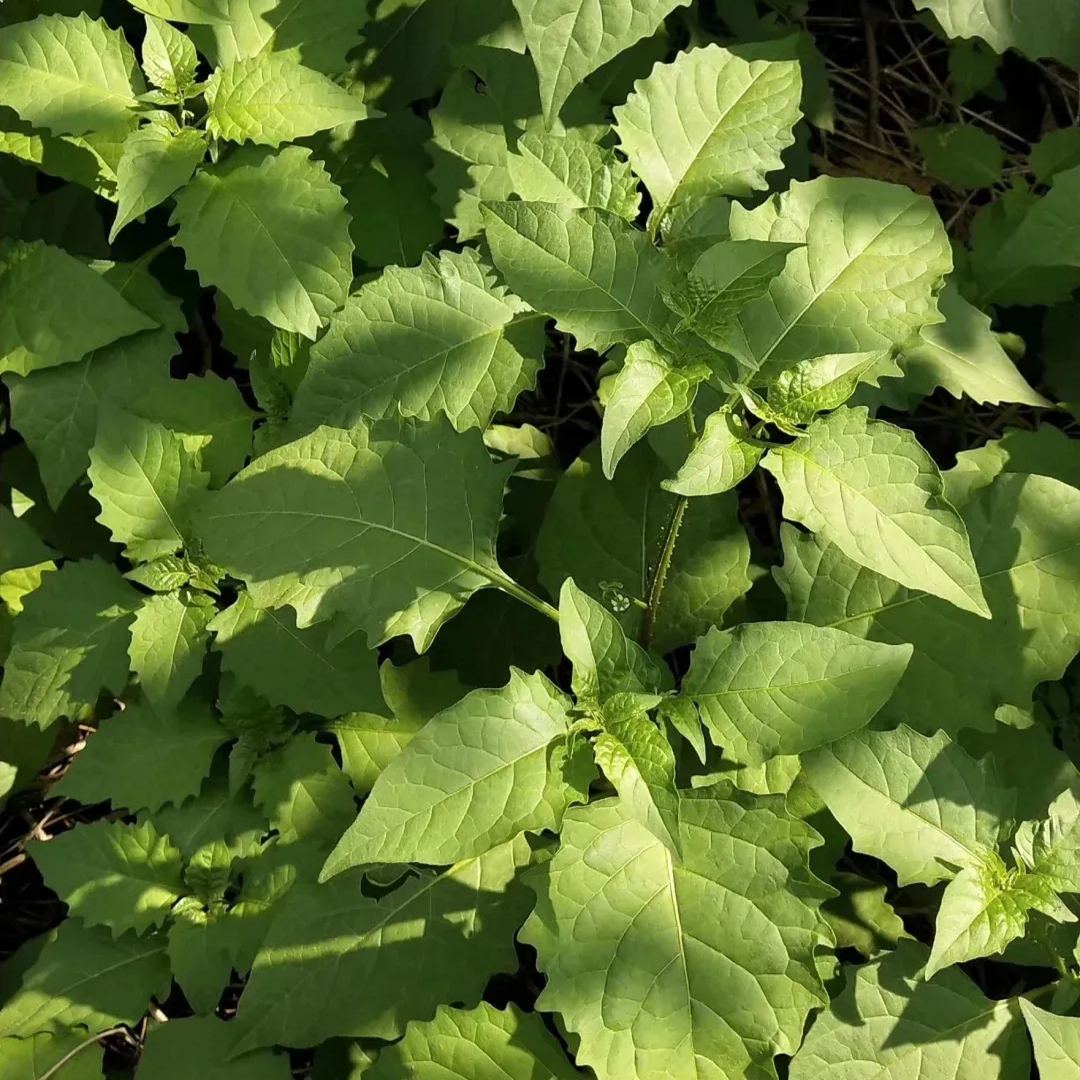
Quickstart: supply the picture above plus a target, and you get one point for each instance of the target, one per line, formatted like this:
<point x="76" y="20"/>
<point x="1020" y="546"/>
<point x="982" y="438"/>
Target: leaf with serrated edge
<point x="1051" y="848"/>
<point x="825" y="383"/>
<point x="168" y="642"/>
<point x="169" y="59"/>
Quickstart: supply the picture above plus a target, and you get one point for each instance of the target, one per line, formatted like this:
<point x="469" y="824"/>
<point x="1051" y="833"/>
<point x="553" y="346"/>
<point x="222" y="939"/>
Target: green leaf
<point x="496" y="764"/>
<point x="919" y="803"/>
<point x="155" y="164"/>
<point x="964" y="667"/>
<point x="1055" y="152"/>
<point x="397" y="527"/>
<point x="647" y="392"/>
<point x="708" y="123"/>
<point x="722" y="457"/>
<point x="593" y="272"/>
<point x="68" y="74"/>
<point x="299" y="668"/>
<point x="1048" y="28"/>
<point x="146" y="480"/>
<point x="270" y="230"/>
<point x="860" y="917"/>
<point x="572" y="170"/>
<point x="125" y="877"/>
<point x="569" y="39"/>
<point x="963" y="155"/>
<point x="83" y="976"/>
<point x="197" y="12"/>
<point x="200" y="1046"/>
<point x="605" y="662"/>
<point x="443" y="337"/>
<point x="657" y="964"/>
<point x="336" y="962"/>
<point x="168" y="57"/>
<point x="122" y="759"/>
<point x="56" y="310"/>
<point x="826" y="382"/>
<point x="27" y="1059"/>
<point x="874" y="257"/>
<point x="168" y="642"/>
<point x="891" y="1021"/>
<point x="484" y="1043"/>
<point x="271" y="99"/>
<point x="1051" y="848"/>
<point x="963" y="356"/>
<point x="70" y="641"/>
<point x="771" y="688"/>
<point x="1057" y="1042"/>
<point x="871" y="489"/>
<point x="216" y="815"/>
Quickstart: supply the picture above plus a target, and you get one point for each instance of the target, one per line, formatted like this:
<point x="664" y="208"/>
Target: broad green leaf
<point x="496" y="764"/>
<point x="708" y="123"/>
<point x="647" y="392"/>
<point x="605" y="662"/>
<point x="572" y="170"/>
<point x="270" y="230"/>
<point x="1057" y="1042"/>
<point x="27" y="1059"/>
<point x="56" y="310"/>
<point x="869" y="488"/>
<point x="69" y="74"/>
<point x="963" y="155"/>
<point x="155" y="164"/>
<point x="440" y="337"/>
<point x="204" y="948"/>
<point x="874" y="257"/>
<point x="56" y="410"/>
<point x="337" y="962"/>
<point x="984" y="908"/>
<point x="921" y="804"/>
<point x="146" y="480"/>
<point x="569" y="39"/>
<point x="609" y="537"/>
<point x="271" y="99"/>
<point x="964" y="667"/>
<point x="963" y="356"/>
<point x="1055" y="152"/>
<point x="169" y="60"/>
<point x="1051" y="848"/>
<point x="771" y="688"/>
<point x="484" y="1043"/>
<point x="125" y="877"/>
<point x="69" y="643"/>
<point x="299" y="668"/>
<point x="214" y="816"/>
<point x="722" y="456"/>
<point x="892" y="1022"/>
<point x="860" y="917"/>
<point x="168" y="642"/>
<point x="393" y="524"/>
<point x="593" y="272"/>
<point x="199" y="1046"/>
<point x="197" y="12"/>
<point x="658" y="964"/>
<point x="824" y="383"/>
<point x="83" y="976"/>
<point x="1046" y="28"/>
<point x="122" y="759"/>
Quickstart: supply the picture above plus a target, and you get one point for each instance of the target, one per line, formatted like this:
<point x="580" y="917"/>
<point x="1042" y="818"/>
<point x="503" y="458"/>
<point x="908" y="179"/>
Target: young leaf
<point x="270" y="230"/>
<point x="440" y="337"/>
<point x="597" y="275"/>
<point x="722" y="457"/>
<point x="121" y="760"/>
<point x="337" y="962"/>
<point x="70" y="641"/>
<point x="55" y="310"/>
<point x="1051" y="848"/>
<point x="708" y="123"/>
<point x="168" y="642"/>
<point x="569" y="39"/>
<point x="146" y="480"/>
<point x="199" y="1046"/>
<point x="155" y="164"/>
<point x="657" y="964"/>
<point x="169" y="60"/>
<point x="480" y="1042"/>
<point x="1057" y="1042"/>
<point x="871" y="489"/>
<point x="125" y="877"/>
<point x="890" y="1020"/>
<point x="773" y="688"/>
<point x="920" y="804"/>
<point x="496" y="764"/>
<point x="648" y="392"/>
<point x="270" y="99"/>
<point x="825" y="383"/>
<point x="392" y="523"/>
<point x="83" y="976"/>
<point x="69" y="74"/>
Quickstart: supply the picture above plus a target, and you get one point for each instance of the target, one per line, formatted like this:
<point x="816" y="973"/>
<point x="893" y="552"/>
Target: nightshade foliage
<point x="474" y="536"/>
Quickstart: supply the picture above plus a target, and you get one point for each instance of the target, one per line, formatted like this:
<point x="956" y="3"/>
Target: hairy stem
<point x="519" y="592"/>
<point x="656" y="588"/>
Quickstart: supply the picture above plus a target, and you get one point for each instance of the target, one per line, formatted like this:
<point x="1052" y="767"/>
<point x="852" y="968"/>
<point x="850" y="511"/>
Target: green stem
<point x="78" y="1050"/>
<point x="656" y="589"/>
<point x="519" y="592"/>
